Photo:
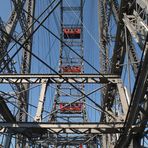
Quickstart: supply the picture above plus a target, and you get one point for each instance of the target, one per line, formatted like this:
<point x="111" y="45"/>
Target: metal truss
<point x="61" y="78"/>
<point x="123" y="112"/>
<point x="70" y="128"/>
<point x="106" y="10"/>
<point x="137" y="26"/>
<point x="72" y="35"/>
<point x="138" y="105"/>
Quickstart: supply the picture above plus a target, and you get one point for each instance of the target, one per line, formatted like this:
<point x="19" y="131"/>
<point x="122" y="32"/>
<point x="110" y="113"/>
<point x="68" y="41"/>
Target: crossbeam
<point x="54" y="78"/>
<point x="70" y="128"/>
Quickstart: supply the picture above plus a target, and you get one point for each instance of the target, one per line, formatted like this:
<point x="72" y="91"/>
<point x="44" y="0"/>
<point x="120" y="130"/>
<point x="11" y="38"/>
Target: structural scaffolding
<point x="63" y="112"/>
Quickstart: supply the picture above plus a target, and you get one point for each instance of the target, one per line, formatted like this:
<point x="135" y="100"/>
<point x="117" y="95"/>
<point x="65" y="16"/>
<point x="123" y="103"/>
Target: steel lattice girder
<point x="62" y="141"/>
<point x="137" y="28"/>
<point x="69" y="128"/>
<point x="54" y="78"/>
<point x="140" y="91"/>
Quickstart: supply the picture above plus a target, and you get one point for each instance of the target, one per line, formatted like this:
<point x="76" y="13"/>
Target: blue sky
<point x="5" y="9"/>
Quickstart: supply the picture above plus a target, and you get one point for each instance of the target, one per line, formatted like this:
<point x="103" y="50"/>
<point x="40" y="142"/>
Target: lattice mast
<point x="8" y="65"/>
<point x="69" y="63"/>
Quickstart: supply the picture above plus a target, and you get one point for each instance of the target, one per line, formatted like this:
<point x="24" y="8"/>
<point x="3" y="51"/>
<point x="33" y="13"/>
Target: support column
<point x="41" y="101"/>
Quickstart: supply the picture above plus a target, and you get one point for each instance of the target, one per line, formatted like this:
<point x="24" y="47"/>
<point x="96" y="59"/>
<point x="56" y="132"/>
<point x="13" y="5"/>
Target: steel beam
<point x="143" y="4"/>
<point x="70" y="128"/>
<point x="114" y="4"/>
<point x="119" y="48"/>
<point x="133" y="57"/>
<point x="61" y="78"/>
<point x="103" y="35"/>
<point x="5" y="111"/>
<point x="72" y="141"/>
<point x="116" y="68"/>
<point x="118" y="54"/>
<point x="132" y="53"/>
<point x="137" y="28"/>
<point x="41" y="101"/>
<point x="123" y="98"/>
<point x="26" y="65"/>
<point x="8" y="117"/>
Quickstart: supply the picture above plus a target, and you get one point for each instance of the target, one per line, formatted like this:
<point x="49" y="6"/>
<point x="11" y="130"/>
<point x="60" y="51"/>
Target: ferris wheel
<point x="73" y="74"/>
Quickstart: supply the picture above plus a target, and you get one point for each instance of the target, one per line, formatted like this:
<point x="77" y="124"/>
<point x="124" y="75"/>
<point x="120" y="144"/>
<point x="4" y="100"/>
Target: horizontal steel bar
<point x="54" y="78"/>
<point x="74" y="125"/>
<point x="71" y="9"/>
<point x="72" y="141"/>
<point x="70" y="128"/>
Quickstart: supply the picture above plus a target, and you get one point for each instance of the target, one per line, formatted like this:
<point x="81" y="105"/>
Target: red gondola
<point x="71" y="69"/>
<point x="73" y="33"/>
<point x="72" y="108"/>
